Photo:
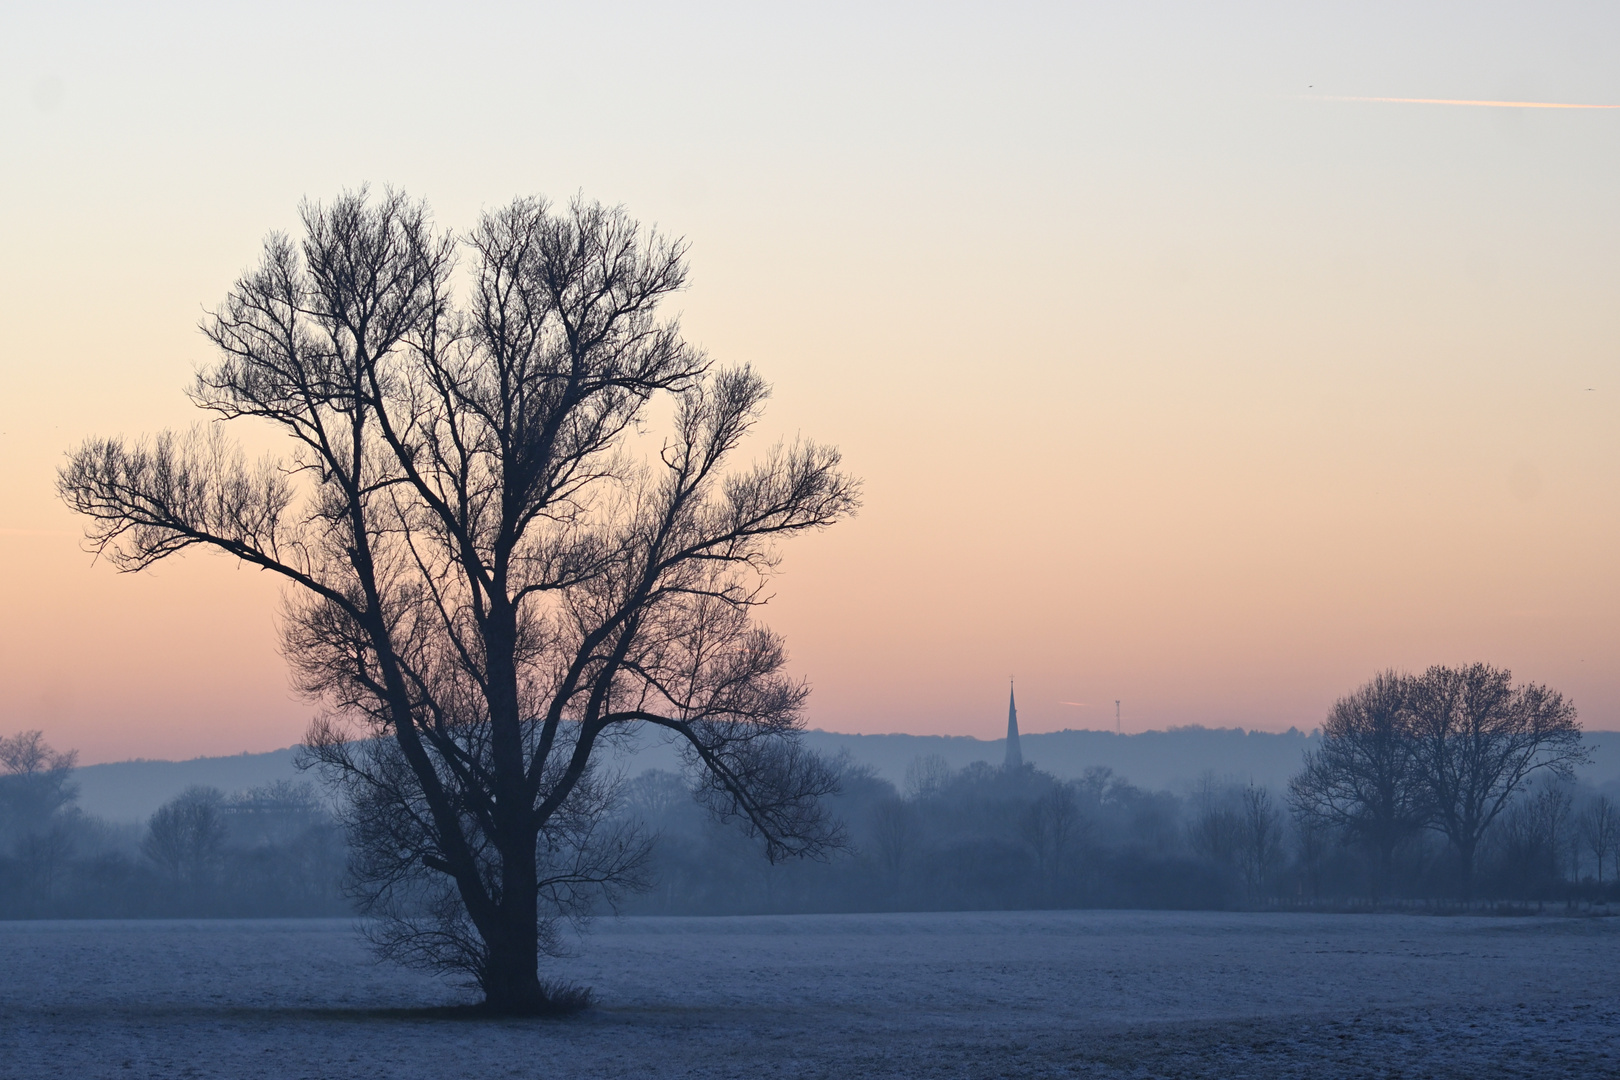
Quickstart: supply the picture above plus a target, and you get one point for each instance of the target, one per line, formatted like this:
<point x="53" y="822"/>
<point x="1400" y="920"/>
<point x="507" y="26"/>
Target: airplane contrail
<point x="1470" y="101"/>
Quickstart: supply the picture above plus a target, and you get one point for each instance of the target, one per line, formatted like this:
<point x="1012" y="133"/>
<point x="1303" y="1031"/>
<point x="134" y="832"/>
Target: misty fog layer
<point x="944" y="838"/>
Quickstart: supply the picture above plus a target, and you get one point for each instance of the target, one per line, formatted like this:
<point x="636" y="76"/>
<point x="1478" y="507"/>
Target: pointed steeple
<point x="1015" y="754"/>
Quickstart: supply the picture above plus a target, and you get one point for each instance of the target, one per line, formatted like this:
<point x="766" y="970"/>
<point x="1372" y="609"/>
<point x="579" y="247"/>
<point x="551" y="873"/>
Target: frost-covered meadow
<point x="950" y="995"/>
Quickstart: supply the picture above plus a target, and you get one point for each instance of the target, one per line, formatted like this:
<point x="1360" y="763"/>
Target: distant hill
<point x="131" y="790"/>
<point x="1151" y="759"/>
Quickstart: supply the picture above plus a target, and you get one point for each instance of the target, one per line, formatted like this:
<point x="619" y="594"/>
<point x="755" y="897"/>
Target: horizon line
<point x="1293" y="728"/>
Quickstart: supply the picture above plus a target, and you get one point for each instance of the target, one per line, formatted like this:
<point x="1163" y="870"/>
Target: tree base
<point x="553" y="999"/>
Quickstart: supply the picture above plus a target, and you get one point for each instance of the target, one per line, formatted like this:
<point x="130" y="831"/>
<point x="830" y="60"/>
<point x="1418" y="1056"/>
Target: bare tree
<point x="186" y="837"/>
<point x="927" y="775"/>
<point x="1215" y="831"/>
<point x="1363" y="779"/>
<point x="1313" y="840"/>
<point x="1529" y="837"/>
<point x="490" y="580"/>
<point x="655" y="796"/>
<point x="1094" y="785"/>
<point x="1054" y="827"/>
<point x="28" y="754"/>
<point x="42" y="855"/>
<point x="896" y="833"/>
<point x="1260" y="844"/>
<point x="1478" y="740"/>
<point x="35" y="780"/>
<point x="1600" y="830"/>
<point x="36" y="796"/>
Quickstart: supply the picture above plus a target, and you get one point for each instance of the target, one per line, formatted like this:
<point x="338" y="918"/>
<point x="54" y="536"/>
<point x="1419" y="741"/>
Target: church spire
<point x="1015" y="755"/>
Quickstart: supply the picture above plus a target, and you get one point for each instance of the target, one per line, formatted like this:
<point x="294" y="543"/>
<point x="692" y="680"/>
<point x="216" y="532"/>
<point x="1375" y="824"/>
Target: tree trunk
<point x="1465" y="869"/>
<point x="511" y="979"/>
<point x="1384" y="873"/>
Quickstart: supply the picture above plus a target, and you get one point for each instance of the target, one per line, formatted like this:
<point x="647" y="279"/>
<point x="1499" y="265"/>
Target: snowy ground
<point x="949" y="995"/>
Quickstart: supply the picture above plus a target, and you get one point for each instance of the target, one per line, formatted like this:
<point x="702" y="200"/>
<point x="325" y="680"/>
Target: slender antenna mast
<point x="1116" y="716"/>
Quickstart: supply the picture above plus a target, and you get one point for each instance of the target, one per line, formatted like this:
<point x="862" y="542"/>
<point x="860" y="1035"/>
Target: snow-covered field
<point x="960" y="995"/>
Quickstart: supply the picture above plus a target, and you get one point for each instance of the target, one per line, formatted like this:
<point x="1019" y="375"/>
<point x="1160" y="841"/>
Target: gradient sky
<point x="1171" y="381"/>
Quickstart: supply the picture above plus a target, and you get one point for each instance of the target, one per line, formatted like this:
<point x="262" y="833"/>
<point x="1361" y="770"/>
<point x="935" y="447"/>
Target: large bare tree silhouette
<point x="496" y="566"/>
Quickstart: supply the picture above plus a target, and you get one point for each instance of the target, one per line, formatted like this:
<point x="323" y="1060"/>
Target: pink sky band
<point x="1485" y="104"/>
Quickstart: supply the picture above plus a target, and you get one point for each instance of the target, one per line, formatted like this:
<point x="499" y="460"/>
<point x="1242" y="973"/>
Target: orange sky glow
<point x="1168" y="383"/>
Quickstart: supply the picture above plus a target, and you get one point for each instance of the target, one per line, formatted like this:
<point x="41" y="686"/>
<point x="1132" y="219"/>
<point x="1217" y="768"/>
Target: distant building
<point x="1015" y="755"/>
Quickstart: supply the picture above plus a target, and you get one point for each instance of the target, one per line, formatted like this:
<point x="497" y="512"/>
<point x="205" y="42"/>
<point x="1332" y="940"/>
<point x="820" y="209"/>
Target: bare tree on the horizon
<point x="488" y="582"/>
<point x="1600" y="830"/>
<point x="1448" y="750"/>
<point x="1479" y="739"/>
<point x="1363" y="779"/>
<point x="36" y="787"/>
<point x="185" y="837"/>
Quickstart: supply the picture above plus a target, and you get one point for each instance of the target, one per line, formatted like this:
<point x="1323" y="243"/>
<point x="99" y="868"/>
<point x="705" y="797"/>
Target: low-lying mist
<point x="972" y="838"/>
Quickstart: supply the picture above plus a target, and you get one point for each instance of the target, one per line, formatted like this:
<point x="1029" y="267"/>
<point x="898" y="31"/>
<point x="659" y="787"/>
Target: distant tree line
<point x="268" y="851"/>
<point x="1451" y="785"/>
